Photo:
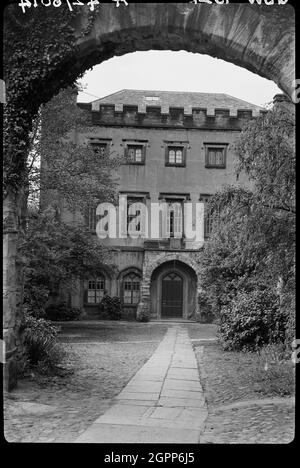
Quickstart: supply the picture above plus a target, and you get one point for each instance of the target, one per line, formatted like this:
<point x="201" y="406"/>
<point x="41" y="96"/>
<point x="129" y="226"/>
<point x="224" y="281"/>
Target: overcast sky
<point x="175" y="71"/>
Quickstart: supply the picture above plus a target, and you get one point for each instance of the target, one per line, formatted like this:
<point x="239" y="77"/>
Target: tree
<point x="55" y="255"/>
<point x="62" y="175"/>
<point x="252" y="246"/>
<point x="76" y="175"/>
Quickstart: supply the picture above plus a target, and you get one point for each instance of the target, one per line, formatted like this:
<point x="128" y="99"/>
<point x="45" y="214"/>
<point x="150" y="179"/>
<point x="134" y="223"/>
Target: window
<point x="209" y="215"/>
<point x="215" y="156"/>
<point x="95" y="292"/>
<point x="91" y="218"/>
<point x="152" y="98"/>
<point x="174" y="218"/>
<point x="175" y="153"/>
<point x="135" y="154"/>
<point x="175" y="156"/>
<point x="130" y="217"/>
<point x="131" y="288"/>
<point x="100" y="148"/>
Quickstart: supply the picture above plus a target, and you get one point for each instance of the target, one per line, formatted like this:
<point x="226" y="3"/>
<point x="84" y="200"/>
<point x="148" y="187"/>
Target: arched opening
<point x="173" y="291"/>
<point x="129" y="290"/>
<point x="255" y="37"/>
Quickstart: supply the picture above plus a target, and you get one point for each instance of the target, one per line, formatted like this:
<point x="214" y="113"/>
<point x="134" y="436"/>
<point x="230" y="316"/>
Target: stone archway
<point x="41" y="57"/>
<point x="259" y="38"/>
<point x="173" y="291"/>
<point x="155" y="259"/>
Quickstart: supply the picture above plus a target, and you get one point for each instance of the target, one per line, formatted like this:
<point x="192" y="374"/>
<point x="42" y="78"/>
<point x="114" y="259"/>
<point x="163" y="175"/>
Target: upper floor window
<point x="215" y="156"/>
<point x="100" y="148"/>
<point x="174" y="218"/>
<point x="135" y="154"/>
<point x="96" y="289"/>
<point x="210" y="215"/>
<point x="137" y="213"/>
<point x="91" y="218"/>
<point x="131" y="288"/>
<point x="175" y="154"/>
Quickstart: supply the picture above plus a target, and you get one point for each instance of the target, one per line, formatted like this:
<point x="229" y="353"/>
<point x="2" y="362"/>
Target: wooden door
<point x="172" y="295"/>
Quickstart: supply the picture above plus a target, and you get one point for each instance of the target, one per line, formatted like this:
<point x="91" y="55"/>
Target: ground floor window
<point x="131" y="288"/>
<point x="96" y="288"/>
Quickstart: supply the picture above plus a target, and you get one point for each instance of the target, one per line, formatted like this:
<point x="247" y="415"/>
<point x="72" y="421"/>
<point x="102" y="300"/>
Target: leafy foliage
<point x="252" y="247"/>
<point x="62" y="312"/>
<point x="40" y="342"/>
<point x="111" y="306"/>
<point x="251" y="320"/>
<point x="34" y="45"/>
<point x="84" y="176"/>
<point x="64" y="177"/>
<point x="54" y="256"/>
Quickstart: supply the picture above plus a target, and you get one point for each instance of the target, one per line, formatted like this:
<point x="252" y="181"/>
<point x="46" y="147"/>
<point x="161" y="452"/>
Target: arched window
<point x="96" y="288"/>
<point x="131" y="288"/>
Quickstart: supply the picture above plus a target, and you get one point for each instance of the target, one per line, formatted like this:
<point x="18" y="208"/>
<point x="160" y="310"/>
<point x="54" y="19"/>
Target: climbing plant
<point x="34" y="46"/>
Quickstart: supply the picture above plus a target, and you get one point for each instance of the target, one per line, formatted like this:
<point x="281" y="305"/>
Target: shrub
<point x="41" y="346"/>
<point x="251" y="320"/>
<point x="142" y="315"/>
<point x="62" y="312"/>
<point x="111" y="306"/>
<point x="35" y="297"/>
<point x="206" y="314"/>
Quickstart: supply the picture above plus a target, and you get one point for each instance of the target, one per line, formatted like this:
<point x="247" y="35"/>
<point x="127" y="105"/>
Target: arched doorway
<point x="173" y="291"/>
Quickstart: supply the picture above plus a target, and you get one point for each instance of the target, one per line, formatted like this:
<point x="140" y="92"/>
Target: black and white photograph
<point x="149" y="225"/>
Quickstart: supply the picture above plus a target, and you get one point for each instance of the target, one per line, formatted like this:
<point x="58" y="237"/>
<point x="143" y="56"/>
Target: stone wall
<point x="154" y="259"/>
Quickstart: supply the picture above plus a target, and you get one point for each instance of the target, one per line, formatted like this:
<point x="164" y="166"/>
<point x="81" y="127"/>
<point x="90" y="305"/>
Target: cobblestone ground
<point x="65" y="407"/>
<point x="238" y="413"/>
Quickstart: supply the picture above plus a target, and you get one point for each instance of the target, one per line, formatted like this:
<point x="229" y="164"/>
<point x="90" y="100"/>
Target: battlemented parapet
<point x="174" y="117"/>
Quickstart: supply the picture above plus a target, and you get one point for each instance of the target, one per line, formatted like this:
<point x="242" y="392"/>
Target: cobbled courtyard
<point x="102" y="357"/>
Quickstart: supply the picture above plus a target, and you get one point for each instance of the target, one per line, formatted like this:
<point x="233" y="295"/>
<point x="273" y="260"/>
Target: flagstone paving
<point x="163" y="402"/>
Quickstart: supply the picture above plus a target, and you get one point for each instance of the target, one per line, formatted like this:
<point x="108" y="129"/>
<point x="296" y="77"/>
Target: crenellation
<point x="155" y="116"/>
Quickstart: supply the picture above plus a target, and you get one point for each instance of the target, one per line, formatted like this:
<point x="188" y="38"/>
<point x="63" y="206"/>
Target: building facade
<point x="178" y="149"/>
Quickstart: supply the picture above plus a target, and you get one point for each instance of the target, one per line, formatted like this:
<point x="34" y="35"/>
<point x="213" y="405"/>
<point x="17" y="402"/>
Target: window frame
<point x="137" y="144"/>
<point x="91" y="215"/>
<point x="133" y="274"/>
<point x="100" y="279"/>
<point x="175" y="146"/>
<point x="174" y="218"/>
<point x="94" y="142"/>
<point x="208" y="216"/>
<point x="131" y="199"/>
<point x="215" y="146"/>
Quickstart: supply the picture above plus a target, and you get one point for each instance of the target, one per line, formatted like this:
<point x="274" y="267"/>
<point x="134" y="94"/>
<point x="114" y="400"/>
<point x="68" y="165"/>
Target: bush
<point x="252" y="320"/>
<point x="41" y="346"/>
<point x="111" y="306"/>
<point x="142" y="316"/>
<point x="62" y="312"/>
<point x="206" y="314"/>
<point x="35" y="297"/>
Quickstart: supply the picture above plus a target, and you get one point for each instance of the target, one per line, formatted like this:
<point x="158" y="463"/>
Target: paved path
<point x="162" y="403"/>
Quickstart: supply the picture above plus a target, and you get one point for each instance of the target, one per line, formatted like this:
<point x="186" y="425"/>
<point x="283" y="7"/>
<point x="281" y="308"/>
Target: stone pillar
<point x="11" y="297"/>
